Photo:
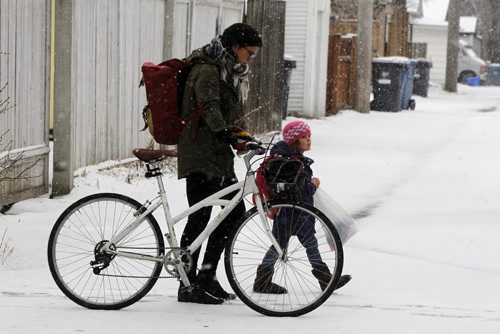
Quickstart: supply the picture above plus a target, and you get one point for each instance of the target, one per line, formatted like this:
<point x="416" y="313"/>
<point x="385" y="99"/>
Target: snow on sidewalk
<point x="424" y="186"/>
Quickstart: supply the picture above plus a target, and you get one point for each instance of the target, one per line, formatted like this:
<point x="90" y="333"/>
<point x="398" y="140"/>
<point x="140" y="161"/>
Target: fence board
<point x="397" y="45"/>
<point x="265" y="101"/>
<point x="111" y="41"/>
<point x="24" y="127"/>
<point x="341" y="84"/>
<point x="349" y="26"/>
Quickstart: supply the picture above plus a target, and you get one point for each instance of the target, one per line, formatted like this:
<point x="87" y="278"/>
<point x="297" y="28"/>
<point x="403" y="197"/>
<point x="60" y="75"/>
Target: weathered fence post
<point x="62" y="182"/>
<point x="24" y="100"/>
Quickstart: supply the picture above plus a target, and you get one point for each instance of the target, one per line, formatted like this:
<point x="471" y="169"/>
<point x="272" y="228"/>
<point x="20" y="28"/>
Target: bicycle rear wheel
<point x="81" y="229"/>
<point x="297" y="271"/>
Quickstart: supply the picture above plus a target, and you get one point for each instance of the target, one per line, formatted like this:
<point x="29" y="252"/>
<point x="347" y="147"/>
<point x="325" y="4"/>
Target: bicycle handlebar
<point x="254" y="147"/>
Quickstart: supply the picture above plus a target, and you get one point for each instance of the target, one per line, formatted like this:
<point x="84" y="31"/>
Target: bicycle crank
<point x="177" y="257"/>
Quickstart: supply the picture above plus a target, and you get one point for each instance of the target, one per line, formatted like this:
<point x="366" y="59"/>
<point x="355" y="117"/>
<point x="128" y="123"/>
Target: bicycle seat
<point x="152" y="155"/>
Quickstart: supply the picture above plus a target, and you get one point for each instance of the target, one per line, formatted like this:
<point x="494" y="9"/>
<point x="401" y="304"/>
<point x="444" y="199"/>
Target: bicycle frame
<point x="246" y="187"/>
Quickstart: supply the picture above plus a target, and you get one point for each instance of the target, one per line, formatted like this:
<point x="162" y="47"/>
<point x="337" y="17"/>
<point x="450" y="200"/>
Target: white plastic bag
<point x="340" y="218"/>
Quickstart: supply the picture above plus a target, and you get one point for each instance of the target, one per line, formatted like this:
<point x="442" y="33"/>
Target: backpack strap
<point x="195" y="115"/>
<point x="145" y="116"/>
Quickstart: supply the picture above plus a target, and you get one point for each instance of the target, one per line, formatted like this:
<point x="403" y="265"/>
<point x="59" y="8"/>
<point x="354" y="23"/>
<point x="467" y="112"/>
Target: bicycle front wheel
<point x="299" y="281"/>
<point x="74" y="243"/>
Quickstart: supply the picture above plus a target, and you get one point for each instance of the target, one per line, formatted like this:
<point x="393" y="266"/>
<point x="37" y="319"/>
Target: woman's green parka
<point x="199" y="150"/>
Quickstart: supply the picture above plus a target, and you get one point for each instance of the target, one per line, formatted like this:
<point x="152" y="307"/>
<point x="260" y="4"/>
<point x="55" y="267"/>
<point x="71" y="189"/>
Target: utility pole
<point x="62" y="181"/>
<point x="364" y="55"/>
<point x="450" y="84"/>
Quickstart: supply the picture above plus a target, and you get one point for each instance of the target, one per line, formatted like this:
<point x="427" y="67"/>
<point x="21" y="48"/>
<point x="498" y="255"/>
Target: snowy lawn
<point x="424" y="186"/>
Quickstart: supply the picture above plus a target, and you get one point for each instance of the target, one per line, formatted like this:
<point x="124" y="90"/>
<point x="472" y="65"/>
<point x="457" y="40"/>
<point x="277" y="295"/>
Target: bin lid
<point x="423" y="61"/>
<point x="397" y="60"/>
<point x="290" y="61"/>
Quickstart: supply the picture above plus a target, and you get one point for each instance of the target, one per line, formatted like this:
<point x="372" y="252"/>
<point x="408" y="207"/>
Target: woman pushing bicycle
<point x="217" y="87"/>
<point x="107" y="250"/>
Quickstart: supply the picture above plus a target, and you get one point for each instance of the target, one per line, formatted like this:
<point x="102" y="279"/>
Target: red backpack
<point x="165" y="84"/>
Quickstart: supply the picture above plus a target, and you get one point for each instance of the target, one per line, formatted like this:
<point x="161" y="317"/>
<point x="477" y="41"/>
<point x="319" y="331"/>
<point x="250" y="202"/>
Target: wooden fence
<point x="418" y="50"/>
<point x="110" y="41"/>
<point x="341" y="83"/>
<point x="24" y="73"/>
<point x="266" y="98"/>
<point x="397" y="44"/>
<point x="350" y="26"/>
<point x="99" y="48"/>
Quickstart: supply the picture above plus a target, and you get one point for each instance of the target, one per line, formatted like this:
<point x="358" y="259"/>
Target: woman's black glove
<point x="235" y="136"/>
<point x="226" y="135"/>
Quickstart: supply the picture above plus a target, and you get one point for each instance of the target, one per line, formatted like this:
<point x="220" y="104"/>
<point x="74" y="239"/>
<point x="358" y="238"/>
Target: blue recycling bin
<point x="474" y="81"/>
<point x="407" y="90"/>
<point x="389" y="76"/>
<point x="493" y="75"/>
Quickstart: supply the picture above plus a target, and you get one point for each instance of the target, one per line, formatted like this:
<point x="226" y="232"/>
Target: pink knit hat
<point x="294" y="131"/>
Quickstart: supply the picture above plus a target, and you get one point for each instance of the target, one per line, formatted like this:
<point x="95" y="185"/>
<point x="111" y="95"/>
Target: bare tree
<point x="452" y="50"/>
<point x="364" y="55"/>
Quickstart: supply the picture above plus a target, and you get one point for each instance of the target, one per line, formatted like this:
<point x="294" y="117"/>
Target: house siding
<point x="295" y="37"/>
<point x="436" y="38"/>
<point x="306" y="39"/>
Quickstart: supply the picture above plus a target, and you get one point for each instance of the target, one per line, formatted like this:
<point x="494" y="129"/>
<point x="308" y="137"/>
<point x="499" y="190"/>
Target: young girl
<point x="296" y="141"/>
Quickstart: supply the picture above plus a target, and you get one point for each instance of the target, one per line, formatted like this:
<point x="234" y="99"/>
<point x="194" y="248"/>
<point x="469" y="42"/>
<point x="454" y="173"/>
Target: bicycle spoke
<point x="301" y="229"/>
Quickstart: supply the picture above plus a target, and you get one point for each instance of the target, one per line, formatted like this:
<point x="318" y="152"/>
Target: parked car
<point x="469" y="64"/>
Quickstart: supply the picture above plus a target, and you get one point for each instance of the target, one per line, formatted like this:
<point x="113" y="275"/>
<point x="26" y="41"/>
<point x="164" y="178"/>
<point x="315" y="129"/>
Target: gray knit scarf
<point x="230" y="71"/>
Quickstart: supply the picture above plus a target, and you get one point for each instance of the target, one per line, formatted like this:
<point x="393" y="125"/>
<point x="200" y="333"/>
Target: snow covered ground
<point x="424" y="186"/>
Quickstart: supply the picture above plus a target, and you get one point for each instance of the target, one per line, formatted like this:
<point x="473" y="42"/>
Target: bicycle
<point x="106" y="251"/>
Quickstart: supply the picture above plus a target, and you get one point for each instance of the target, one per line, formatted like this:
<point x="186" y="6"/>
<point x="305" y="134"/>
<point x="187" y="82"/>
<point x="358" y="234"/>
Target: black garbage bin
<point x="290" y="64"/>
<point x="422" y="74"/>
<point x="388" y="79"/>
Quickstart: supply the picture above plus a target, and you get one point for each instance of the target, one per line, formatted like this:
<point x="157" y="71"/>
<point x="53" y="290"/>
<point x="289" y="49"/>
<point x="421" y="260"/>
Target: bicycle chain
<point x="132" y="276"/>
